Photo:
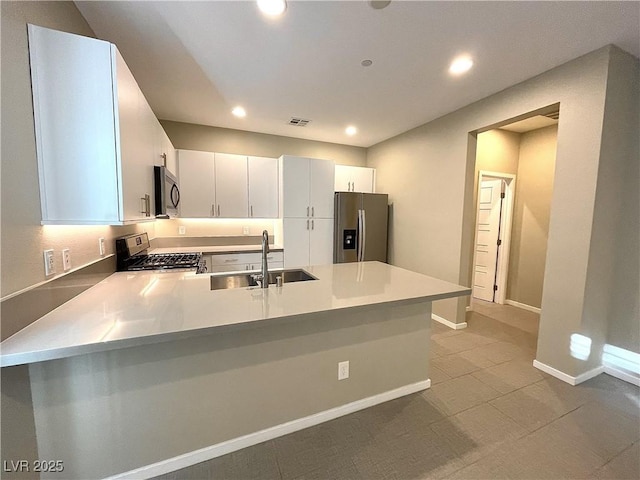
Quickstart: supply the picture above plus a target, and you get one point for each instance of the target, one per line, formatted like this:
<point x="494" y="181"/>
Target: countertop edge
<point x="11" y="360"/>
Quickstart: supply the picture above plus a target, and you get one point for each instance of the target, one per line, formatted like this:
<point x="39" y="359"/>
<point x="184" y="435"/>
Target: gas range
<point x="131" y="256"/>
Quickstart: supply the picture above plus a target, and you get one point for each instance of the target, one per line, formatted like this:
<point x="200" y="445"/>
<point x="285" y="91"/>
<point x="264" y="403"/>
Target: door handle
<point x="359" y="237"/>
<point x="364" y="234"/>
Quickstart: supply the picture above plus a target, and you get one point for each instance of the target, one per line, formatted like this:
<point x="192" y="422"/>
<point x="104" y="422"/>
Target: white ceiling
<point x="196" y="60"/>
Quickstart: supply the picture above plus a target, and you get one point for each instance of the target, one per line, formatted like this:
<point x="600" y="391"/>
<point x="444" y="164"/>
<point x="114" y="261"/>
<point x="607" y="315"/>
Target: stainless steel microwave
<point x="167" y="193"/>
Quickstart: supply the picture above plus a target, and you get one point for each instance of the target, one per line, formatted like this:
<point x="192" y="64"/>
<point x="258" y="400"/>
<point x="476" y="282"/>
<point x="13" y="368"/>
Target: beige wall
<point x="224" y="140"/>
<point x="613" y="287"/>
<point x="497" y="151"/>
<point x="428" y="173"/>
<point x="23" y="238"/>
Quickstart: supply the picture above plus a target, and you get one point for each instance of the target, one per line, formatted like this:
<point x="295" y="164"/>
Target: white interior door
<point x="486" y="248"/>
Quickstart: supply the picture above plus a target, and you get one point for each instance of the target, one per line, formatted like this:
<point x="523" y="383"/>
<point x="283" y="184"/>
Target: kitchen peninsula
<point x="149" y="372"/>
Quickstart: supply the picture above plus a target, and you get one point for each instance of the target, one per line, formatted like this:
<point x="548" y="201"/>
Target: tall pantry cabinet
<point x="307" y="210"/>
<point x="97" y="139"/>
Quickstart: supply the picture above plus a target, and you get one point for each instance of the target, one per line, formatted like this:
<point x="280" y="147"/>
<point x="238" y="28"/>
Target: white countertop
<point x="136" y="308"/>
<point x="216" y="249"/>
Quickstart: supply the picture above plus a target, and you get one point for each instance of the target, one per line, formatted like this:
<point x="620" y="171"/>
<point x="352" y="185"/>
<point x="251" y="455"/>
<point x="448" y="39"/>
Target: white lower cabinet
<point x="233" y="262"/>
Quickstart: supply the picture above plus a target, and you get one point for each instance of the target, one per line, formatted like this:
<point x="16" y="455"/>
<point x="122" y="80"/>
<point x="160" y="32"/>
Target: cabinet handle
<point x="307" y="211"/>
<point x="312" y="225"/>
<point x="213" y="209"/>
<point x="349" y="189"/>
<point x="145" y="205"/>
<point x="218" y="209"/>
<point x="230" y="260"/>
<point x="307" y="224"/>
<point x="251" y="208"/>
<point x="312" y="209"/>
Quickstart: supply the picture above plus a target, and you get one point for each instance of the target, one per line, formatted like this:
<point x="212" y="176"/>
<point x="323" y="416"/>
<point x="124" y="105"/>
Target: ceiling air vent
<point x="553" y="115"/>
<point x="298" y="122"/>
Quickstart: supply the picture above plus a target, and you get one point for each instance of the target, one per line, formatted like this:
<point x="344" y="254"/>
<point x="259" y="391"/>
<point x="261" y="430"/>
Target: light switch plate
<point x="182" y="230"/>
<point x="245" y="230"/>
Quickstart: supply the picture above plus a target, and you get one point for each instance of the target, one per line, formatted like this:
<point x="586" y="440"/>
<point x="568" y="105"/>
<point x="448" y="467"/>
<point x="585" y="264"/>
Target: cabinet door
<point x="363" y="179"/>
<point x="135" y="124"/>
<point x="296" y="242"/>
<point x="167" y="152"/>
<point x="321" y="241"/>
<point x="263" y="187"/>
<point x="322" y="180"/>
<point x="197" y="190"/>
<point x="343" y="179"/>
<point x="295" y="187"/>
<point x="72" y="86"/>
<point x="232" y="199"/>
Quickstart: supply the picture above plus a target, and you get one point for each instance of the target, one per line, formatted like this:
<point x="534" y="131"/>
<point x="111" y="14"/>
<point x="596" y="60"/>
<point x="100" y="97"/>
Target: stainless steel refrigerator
<point x="360" y="232"/>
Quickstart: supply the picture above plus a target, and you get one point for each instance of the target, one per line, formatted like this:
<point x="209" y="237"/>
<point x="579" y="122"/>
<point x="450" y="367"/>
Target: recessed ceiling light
<point x="239" y="112"/>
<point x="273" y="8"/>
<point x="460" y="65"/>
<point x="351" y="130"/>
<point x="366" y="63"/>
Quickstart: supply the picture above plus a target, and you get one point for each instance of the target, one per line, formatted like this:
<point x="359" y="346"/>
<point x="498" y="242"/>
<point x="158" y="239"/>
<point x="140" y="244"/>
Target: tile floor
<point x="488" y="415"/>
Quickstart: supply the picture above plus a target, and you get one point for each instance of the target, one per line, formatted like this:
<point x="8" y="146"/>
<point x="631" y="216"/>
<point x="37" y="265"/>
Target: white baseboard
<point x="444" y="321"/>
<point x="523" y="306"/>
<point x="566" y="377"/>
<point x="625" y="376"/>
<point x="219" y="449"/>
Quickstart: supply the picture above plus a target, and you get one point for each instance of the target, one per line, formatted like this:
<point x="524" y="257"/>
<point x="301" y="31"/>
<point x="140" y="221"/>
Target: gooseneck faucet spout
<point x="265" y="266"/>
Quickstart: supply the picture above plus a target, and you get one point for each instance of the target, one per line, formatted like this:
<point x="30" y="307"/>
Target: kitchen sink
<point x="244" y="280"/>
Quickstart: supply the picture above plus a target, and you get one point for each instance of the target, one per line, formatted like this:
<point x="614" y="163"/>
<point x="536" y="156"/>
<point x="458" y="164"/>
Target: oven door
<point x="167" y="193"/>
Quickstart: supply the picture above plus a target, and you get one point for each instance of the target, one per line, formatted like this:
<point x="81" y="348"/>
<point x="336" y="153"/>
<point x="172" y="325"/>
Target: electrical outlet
<point x="101" y="246"/>
<point x="182" y="230"/>
<point x="245" y="230"/>
<point x="66" y="259"/>
<point x="343" y="370"/>
<point x="49" y="263"/>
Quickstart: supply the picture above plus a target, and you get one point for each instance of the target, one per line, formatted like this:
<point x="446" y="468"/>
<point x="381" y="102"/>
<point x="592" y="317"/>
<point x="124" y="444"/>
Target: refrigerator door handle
<point x="364" y="234"/>
<point x="359" y="236"/>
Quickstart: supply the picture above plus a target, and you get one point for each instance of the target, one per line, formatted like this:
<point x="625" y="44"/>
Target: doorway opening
<point x="512" y="219"/>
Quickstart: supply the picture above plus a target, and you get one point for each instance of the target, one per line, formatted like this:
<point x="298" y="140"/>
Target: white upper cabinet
<point x="354" y="179"/>
<point x="94" y="132"/>
<point x="223" y="185"/>
<point x="197" y="186"/>
<point x="168" y="154"/>
<point x="307" y="187"/>
<point x="263" y="187"/>
<point x="231" y="186"/>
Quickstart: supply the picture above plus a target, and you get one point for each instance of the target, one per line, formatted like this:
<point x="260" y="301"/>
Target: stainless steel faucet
<point x="265" y="266"/>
